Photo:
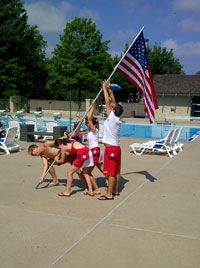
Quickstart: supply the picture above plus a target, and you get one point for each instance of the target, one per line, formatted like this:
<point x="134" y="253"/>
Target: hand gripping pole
<point x="37" y="186"/>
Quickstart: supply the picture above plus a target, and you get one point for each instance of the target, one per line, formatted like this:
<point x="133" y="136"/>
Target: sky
<point x="169" y="23"/>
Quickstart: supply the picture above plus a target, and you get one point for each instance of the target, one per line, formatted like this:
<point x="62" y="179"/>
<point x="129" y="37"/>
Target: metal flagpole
<point x="110" y="76"/>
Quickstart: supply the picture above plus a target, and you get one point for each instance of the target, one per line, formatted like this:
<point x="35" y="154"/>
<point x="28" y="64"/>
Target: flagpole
<point x="110" y="77"/>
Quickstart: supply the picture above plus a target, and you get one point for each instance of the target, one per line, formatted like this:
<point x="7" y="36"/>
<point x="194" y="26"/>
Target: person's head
<point x="33" y="150"/>
<point x="95" y="121"/>
<point x="1" y="125"/>
<point x="75" y="125"/>
<point x="118" y="110"/>
<point x="60" y="142"/>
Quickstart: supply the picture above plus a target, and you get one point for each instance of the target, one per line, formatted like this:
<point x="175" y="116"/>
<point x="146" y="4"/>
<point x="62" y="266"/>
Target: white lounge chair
<point x="178" y="145"/>
<point x="38" y="114"/>
<point x="19" y="113"/>
<point x="163" y="145"/>
<point x="57" y="115"/>
<point x="14" y="123"/>
<point x="9" y="143"/>
<point x="50" y="125"/>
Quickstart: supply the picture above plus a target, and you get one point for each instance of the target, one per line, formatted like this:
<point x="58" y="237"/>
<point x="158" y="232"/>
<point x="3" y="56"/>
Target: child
<point x="48" y="152"/>
<point x="92" y="132"/>
<point x="84" y="159"/>
<point x="76" y="135"/>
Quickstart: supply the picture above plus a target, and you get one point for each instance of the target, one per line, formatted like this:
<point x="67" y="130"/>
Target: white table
<point x="19" y="113"/>
<point x="57" y="115"/>
<point x="38" y="114"/>
<point x="2" y="112"/>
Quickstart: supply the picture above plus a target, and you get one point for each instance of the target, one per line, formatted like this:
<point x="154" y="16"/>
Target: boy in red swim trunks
<point x="111" y="140"/>
<point x="48" y="152"/>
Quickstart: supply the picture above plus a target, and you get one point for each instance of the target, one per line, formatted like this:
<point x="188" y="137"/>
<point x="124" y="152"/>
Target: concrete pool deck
<point x="155" y="222"/>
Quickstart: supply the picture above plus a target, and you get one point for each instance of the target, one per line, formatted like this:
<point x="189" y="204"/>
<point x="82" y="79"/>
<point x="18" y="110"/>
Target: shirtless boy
<point x="48" y="152"/>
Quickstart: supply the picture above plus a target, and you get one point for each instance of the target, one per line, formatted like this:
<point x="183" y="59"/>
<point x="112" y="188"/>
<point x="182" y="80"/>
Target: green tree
<point x="162" y="61"/>
<point x="22" y="53"/>
<point x="197" y="73"/>
<point x="80" y="62"/>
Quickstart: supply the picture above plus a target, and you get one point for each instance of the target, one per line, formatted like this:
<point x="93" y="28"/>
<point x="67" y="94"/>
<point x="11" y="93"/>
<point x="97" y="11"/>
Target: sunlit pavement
<point x="155" y="222"/>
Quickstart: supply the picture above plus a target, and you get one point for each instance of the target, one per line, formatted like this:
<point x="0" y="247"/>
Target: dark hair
<point x="95" y="120"/>
<point x="31" y="147"/>
<point x="75" y="125"/>
<point x="57" y="142"/>
<point x="118" y="110"/>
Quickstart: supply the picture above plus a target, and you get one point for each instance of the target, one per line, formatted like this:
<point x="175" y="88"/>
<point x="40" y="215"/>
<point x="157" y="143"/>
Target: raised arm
<point x="112" y="97"/>
<point x="90" y="116"/>
<point x="106" y="97"/>
<point x="77" y="132"/>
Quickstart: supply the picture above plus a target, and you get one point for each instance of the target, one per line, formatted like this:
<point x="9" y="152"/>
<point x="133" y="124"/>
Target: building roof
<point x="177" y="84"/>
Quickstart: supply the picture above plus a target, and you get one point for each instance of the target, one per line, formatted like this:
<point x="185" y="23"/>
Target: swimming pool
<point x="41" y="121"/>
<point x="132" y="130"/>
<point x="156" y="131"/>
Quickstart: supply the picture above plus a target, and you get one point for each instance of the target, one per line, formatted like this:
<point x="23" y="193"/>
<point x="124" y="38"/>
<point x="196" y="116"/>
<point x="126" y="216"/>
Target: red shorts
<point x="112" y="161"/>
<point x="82" y="155"/>
<point x="96" y="152"/>
<point x="69" y="159"/>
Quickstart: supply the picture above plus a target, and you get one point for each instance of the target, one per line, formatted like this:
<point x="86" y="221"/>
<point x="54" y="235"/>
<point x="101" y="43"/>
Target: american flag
<point x="135" y="67"/>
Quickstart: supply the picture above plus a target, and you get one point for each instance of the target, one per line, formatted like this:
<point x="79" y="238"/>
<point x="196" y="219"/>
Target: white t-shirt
<point x="111" y="130"/>
<point x="93" y="138"/>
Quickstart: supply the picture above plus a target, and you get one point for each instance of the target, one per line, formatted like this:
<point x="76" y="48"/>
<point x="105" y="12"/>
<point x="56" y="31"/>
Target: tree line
<point x="79" y="63"/>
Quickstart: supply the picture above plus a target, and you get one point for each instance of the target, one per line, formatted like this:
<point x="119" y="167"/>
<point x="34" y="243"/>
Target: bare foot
<point x="86" y="192"/>
<point x="52" y="184"/>
<point x="64" y="194"/>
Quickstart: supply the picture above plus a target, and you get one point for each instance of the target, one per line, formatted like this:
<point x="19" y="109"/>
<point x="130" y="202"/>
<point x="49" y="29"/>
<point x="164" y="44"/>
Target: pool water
<point x="132" y="130"/>
<point x="156" y="131"/>
<point x="41" y="121"/>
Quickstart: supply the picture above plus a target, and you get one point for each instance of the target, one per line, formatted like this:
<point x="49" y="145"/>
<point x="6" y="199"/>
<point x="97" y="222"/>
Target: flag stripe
<point x="132" y="64"/>
<point x="145" y="81"/>
<point x="137" y="77"/>
<point x="135" y="67"/>
<point x="133" y="80"/>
